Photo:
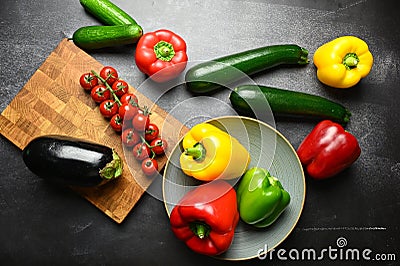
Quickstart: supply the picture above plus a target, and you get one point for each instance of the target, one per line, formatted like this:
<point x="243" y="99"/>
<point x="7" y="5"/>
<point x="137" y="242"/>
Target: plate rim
<point x="297" y="160"/>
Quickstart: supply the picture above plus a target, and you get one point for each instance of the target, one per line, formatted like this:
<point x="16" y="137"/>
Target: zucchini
<point x="96" y="37"/>
<point x="212" y="75"/>
<point x="252" y="99"/>
<point x="70" y="161"/>
<point x="107" y="12"/>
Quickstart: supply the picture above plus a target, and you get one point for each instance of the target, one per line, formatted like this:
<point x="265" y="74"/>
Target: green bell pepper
<point x="261" y="197"/>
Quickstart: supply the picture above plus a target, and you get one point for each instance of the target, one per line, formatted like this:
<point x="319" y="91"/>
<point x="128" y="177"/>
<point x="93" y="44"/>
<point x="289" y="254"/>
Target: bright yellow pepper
<point x="343" y="62"/>
<point x="211" y="153"/>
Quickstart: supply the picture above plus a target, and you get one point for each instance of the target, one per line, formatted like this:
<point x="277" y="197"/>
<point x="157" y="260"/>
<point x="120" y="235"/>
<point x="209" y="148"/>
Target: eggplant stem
<point x="112" y="169"/>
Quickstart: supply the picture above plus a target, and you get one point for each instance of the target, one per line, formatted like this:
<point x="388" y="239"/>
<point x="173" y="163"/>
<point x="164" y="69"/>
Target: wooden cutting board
<point x="52" y="102"/>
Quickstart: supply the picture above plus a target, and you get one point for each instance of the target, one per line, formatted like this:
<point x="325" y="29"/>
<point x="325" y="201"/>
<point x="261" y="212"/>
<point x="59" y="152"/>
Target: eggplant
<point x="71" y="161"/>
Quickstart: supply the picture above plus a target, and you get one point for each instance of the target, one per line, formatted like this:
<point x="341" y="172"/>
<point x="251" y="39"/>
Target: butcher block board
<point x="53" y="102"/>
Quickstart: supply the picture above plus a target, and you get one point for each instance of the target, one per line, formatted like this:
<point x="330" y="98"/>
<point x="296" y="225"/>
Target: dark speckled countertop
<point x="44" y="225"/>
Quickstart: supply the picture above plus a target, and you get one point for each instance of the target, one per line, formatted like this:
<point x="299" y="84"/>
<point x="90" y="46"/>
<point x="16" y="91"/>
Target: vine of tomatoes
<point x="121" y="107"/>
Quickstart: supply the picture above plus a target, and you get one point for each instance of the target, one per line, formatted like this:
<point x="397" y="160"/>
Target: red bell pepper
<point x="328" y="150"/>
<point x="161" y="55"/>
<point x="206" y="218"/>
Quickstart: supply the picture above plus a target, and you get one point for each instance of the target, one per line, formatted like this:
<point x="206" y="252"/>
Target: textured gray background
<point x="41" y="224"/>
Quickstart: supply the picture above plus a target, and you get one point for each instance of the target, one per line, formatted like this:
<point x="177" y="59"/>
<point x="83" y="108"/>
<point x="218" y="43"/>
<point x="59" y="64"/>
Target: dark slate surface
<point x="44" y="225"/>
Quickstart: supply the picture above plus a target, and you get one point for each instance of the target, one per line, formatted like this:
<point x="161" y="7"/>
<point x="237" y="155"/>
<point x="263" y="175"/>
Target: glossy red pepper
<point x="161" y="55"/>
<point x="206" y="218"/>
<point x="328" y="150"/>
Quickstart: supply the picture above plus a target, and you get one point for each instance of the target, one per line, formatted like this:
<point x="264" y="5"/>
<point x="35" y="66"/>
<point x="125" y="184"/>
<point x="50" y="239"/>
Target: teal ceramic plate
<point x="268" y="149"/>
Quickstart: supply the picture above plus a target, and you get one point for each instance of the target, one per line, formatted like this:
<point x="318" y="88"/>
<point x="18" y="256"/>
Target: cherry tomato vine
<point x="127" y="118"/>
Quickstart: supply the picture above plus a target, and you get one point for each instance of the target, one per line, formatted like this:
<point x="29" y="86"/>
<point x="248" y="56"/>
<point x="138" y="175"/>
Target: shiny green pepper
<point x="261" y="197"/>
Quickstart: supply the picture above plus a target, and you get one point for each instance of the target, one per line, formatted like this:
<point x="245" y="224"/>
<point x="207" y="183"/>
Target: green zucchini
<point x="107" y="12"/>
<point x="96" y="37"/>
<point x="252" y="99"/>
<point x="212" y="75"/>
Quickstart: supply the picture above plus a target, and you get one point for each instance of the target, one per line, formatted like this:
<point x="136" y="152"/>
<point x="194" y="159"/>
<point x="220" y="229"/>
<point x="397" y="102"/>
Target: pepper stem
<point x="164" y="51"/>
<point x="200" y="229"/>
<point x="198" y="152"/>
<point x="351" y="60"/>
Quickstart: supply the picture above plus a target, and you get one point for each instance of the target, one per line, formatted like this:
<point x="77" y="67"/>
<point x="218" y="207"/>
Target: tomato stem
<point x="145" y="142"/>
<point x="146" y="110"/>
<point x="153" y="154"/>
<point x="108" y="87"/>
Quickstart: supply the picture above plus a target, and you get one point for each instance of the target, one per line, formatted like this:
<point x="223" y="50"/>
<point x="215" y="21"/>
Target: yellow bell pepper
<point x="210" y="153"/>
<point x="343" y="62"/>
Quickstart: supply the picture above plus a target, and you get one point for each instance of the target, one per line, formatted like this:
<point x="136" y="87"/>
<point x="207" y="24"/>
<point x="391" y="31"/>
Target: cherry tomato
<point x="129" y="98"/>
<point x="108" y="108"/>
<point x="149" y="167"/>
<point x="141" y="151"/>
<point x="116" y="123"/>
<point x="129" y="137"/>
<point x="127" y="124"/>
<point x="120" y="87"/>
<point x="151" y="132"/>
<point x="109" y="74"/>
<point x="127" y="111"/>
<point x="141" y="121"/>
<point x="88" y="81"/>
<point x="159" y="145"/>
<point x="100" y="93"/>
